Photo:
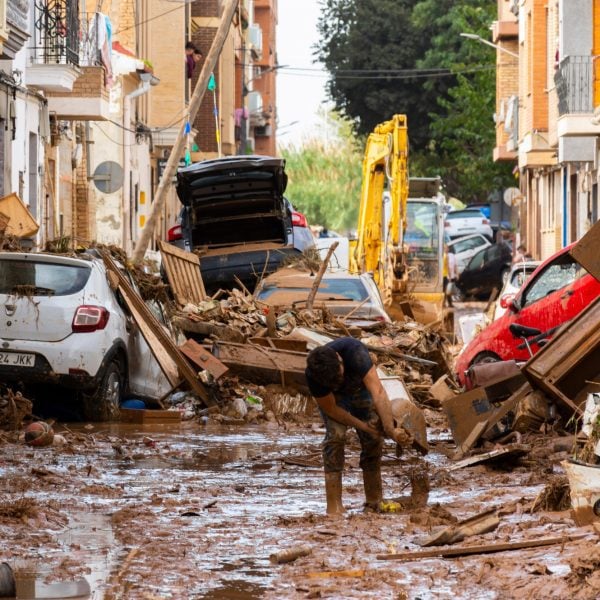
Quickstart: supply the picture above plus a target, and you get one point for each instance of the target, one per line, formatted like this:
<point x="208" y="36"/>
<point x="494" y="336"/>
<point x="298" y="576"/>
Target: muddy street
<point x="195" y="511"/>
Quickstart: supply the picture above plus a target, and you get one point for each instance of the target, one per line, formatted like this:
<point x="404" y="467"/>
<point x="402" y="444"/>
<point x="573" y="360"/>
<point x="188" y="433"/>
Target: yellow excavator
<point x="400" y="234"/>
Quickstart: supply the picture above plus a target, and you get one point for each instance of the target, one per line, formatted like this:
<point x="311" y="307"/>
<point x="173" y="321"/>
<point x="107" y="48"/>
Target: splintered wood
<point x="183" y="272"/>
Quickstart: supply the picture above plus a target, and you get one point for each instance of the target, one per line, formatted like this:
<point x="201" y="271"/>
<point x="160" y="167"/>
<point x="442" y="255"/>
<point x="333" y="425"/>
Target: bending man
<point x="345" y="385"/>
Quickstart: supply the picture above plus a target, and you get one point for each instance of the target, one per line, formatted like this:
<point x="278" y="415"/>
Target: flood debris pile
<point x="15" y="409"/>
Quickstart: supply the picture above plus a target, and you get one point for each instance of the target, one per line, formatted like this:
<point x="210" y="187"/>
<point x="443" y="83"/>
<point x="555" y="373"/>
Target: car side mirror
<point x="506" y="300"/>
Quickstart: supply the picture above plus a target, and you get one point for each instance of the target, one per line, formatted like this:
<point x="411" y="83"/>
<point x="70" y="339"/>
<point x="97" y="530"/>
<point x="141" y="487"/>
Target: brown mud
<point x="196" y="511"/>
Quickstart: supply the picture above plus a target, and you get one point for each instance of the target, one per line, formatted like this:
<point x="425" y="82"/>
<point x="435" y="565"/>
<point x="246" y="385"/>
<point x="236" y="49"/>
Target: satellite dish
<point x="510" y="195"/>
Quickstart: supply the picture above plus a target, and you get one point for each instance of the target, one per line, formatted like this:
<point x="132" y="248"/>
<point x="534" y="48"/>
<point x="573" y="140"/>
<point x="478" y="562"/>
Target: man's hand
<point x="402" y="437"/>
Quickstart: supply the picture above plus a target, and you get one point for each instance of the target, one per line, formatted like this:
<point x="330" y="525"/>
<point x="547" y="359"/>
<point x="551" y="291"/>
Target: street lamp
<point x="474" y="36"/>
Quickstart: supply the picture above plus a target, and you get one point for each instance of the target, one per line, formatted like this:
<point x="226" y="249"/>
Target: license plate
<point x="17" y="359"/>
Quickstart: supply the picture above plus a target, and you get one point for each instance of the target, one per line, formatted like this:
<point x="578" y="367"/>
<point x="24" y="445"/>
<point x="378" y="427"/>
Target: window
<point x="465" y="214"/>
<point x="469" y="244"/>
<point x="477" y="261"/>
<point x="23" y="276"/>
<point x="557" y="275"/>
<point x="351" y="289"/>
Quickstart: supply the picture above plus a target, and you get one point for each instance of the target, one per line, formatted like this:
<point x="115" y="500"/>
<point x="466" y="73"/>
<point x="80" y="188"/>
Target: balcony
<point x="66" y="62"/>
<point x="575" y="79"/>
<point x="13" y="28"/>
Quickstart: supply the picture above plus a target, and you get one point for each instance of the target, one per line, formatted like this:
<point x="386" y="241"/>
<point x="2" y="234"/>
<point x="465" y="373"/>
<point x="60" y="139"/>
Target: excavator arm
<point x="380" y="232"/>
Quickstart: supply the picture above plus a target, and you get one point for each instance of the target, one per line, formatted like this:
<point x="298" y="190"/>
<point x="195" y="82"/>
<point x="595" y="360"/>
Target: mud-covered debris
<point x="555" y="495"/>
<point x="14" y="409"/>
<point x="290" y="554"/>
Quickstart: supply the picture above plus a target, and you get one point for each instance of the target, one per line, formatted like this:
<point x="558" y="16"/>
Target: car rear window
<point x="464" y="214"/>
<point x="350" y="289"/>
<point x="25" y="277"/>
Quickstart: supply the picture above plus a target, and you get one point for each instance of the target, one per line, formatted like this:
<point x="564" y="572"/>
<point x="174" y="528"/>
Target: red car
<point x="558" y="290"/>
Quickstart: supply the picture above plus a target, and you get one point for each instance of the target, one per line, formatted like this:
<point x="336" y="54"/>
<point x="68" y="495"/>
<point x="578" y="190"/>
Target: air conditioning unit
<point x="264" y="131"/>
<point x="255" y="103"/>
<point x="255" y="39"/>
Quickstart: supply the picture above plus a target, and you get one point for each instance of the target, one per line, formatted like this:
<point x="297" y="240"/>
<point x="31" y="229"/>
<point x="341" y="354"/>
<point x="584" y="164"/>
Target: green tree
<point x="371" y="49"/>
<point x="462" y="130"/>
<point x="369" y="45"/>
<point x="324" y="179"/>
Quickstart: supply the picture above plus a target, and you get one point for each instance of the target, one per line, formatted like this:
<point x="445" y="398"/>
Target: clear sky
<point x="300" y="94"/>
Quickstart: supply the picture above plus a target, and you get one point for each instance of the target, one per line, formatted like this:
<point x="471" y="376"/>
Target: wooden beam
<point x="484" y="549"/>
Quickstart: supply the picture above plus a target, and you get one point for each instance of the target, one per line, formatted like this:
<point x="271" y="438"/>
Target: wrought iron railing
<point x="56" y="31"/>
<point x="574" y="81"/>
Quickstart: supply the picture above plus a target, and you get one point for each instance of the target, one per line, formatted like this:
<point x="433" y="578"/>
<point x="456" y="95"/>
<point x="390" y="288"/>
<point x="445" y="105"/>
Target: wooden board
<point x="183" y="272"/>
<point x="203" y="359"/>
<point x="162" y="346"/>
<point x="265" y="365"/>
<point x="563" y="367"/>
<point x="133" y="415"/>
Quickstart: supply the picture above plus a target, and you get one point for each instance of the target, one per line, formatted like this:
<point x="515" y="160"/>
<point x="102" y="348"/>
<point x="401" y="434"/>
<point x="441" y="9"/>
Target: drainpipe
<point x="147" y="80"/>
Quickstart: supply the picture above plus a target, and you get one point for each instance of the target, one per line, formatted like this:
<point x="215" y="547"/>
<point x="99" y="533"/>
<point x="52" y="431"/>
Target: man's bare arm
<point x="331" y="409"/>
<point x="380" y="401"/>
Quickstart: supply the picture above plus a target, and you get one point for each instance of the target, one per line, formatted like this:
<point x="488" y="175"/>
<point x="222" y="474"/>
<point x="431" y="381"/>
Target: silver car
<point x="355" y="298"/>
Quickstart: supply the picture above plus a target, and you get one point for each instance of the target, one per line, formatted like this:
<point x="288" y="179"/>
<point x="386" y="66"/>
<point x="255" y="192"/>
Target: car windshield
<point x="423" y="239"/>
<point x="562" y="272"/>
<point x="352" y="289"/>
<point x="27" y="278"/>
<point x="464" y="214"/>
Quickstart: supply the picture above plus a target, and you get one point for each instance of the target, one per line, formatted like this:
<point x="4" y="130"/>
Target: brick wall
<point x="204" y="122"/>
<point x="90" y="84"/>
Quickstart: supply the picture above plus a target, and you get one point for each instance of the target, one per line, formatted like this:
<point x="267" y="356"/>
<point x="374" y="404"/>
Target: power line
<point x="399" y="76"/>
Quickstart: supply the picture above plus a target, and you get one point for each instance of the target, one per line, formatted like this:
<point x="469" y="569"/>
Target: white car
<point x="459" y="223"/>
<point x="61" y="324"/>
<point x="519" y="273"/>
<point x="464" y="248"/>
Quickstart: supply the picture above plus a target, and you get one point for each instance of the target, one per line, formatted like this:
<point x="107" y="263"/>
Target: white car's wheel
<point x="103" y="403"/>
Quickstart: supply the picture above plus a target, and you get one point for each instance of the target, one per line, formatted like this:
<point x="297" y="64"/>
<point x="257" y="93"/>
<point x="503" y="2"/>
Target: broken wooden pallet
<point x="183" y="272"/>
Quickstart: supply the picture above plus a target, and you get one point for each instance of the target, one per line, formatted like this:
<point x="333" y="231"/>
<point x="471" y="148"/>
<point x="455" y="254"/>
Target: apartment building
<point x="547" y="91"/>
<point x="96" y="92"/>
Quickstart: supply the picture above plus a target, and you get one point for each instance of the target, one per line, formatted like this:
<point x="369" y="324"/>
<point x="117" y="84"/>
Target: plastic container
<point x="133" y="403"/>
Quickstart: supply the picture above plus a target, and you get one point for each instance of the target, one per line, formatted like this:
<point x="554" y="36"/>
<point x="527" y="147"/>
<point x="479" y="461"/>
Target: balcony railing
<point x="56" y="32"/>
<point x="56" y="44"/>
<point x="574" y="81"/>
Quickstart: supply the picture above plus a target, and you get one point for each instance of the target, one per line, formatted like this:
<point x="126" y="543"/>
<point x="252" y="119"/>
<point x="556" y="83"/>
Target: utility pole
<point x="176" y="151"/>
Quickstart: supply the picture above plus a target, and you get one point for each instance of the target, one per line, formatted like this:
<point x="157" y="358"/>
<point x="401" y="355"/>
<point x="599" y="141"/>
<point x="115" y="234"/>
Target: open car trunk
<point x="234" y="201"/>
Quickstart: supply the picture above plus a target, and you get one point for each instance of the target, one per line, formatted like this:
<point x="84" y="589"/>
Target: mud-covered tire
<point x="102" y="404"/>
<point x="485" y="358"/>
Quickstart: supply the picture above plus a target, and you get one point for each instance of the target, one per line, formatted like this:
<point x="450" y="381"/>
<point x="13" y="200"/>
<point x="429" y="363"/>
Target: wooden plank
<point x="160" y="342"/>
<point x="471" y="439"/>
<point x="484" y="549"/>
<point x="475" y="525"/>
<point x="280" y="343"/>
<point x="264" y="365"/>
<point x="133" y="415"/>
<point x="508" y="451"/>
<point x="203" y="359"/>
<point x="183" y="272"/>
